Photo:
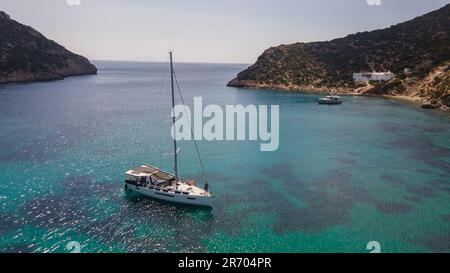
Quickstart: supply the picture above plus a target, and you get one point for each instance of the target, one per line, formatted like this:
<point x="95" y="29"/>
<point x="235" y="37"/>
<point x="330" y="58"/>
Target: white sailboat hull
<point x="184" y="199"/>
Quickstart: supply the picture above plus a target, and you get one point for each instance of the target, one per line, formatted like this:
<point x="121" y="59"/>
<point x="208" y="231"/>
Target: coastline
<point x="51" y="79"/>
<point x="411" y="100"/>
<point x="291" y="87"/>
<point x="341" y="91"/>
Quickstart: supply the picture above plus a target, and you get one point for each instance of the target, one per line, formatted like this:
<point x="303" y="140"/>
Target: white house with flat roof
<point x="365" y="77"/>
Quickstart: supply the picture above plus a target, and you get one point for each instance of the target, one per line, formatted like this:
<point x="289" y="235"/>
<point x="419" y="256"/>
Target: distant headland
<point x="417" y="52"/>
<point x="26" y="55"/>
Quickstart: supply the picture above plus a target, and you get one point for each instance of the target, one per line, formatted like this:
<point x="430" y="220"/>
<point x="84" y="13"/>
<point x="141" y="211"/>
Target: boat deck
<point x="192" y="190"/>
<point x="165" y="181"/>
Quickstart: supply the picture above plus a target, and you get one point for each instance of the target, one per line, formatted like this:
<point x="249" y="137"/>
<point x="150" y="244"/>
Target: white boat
<point x="331" y="100"/>
<point x="155" y="183"/>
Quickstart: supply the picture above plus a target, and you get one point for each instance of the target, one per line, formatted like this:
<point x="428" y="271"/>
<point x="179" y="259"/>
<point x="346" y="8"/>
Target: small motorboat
<point x="331" y="100"/>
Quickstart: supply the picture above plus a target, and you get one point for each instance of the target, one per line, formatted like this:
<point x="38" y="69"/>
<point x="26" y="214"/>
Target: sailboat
<point x="158" y="184"/>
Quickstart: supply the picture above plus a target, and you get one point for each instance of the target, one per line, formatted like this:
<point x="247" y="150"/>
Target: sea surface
<point x="369" y="170"/>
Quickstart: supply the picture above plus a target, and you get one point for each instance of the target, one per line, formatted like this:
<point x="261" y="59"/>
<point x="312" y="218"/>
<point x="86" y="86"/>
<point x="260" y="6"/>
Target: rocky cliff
<point x="26" y="55"/>
<point x="414" y="50"/>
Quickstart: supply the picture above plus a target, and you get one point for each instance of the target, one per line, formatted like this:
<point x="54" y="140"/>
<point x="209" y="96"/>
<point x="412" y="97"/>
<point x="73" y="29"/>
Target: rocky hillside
<point x="421" y="46"/>
<point x="432" y="91"/>
<point x="26" y="55"/>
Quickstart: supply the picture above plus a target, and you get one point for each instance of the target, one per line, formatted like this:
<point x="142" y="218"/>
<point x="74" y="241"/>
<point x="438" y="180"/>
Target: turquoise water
<point x="368" y="170"/>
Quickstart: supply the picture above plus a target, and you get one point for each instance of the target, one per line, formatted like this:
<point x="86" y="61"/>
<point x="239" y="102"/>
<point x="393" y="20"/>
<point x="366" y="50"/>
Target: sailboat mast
<point x="173" y="118"/>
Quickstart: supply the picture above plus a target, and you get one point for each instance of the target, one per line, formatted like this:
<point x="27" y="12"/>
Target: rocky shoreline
<point x="366" y="91"/>
<point x="27" y="77"/>
<point x="289" y="87"/>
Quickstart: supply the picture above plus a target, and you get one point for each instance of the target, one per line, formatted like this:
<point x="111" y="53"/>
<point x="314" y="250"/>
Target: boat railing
<point x="152" y="187"/>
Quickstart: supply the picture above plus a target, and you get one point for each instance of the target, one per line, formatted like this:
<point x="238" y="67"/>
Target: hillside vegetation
<point x="421" y="46"/>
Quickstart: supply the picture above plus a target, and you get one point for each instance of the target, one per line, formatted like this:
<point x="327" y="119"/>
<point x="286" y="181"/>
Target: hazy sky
<point x="233" y="31"/>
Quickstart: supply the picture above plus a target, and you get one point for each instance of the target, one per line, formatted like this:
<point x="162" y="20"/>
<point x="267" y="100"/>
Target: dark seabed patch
<point x="437" y="243"/>
<point x="430" y="130"/>
<point x="9" y="223"/>
<point x="423" y="191"/>
<point x="55" y="211"/>
<point x="413" y="198"/>
<point x="424" y="150"/>
<point x="399" y="128"/>
<point x="416" y="190"/>
<point x="421" y="147"/>
<point x="445" y="218"/>
<point x="16" y="248"/>
<point x="393" y="208"/>
<point x="328" y="202"/>
<point x="391" y="127"/>
<point x="440" y="185"/>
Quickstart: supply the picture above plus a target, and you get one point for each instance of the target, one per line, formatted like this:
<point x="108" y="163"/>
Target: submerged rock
<point x="429" y="105"/>
<point x="445" y="100"/>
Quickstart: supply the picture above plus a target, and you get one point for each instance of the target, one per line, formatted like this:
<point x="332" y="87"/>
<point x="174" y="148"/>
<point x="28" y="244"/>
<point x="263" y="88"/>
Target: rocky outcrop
<point x="26" y="55"/>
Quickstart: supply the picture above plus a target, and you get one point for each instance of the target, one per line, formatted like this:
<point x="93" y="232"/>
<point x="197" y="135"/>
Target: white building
<point x="373" y="76"/>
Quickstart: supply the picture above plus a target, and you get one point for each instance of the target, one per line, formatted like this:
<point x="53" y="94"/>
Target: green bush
<point x="374" y="82"/>
<point x="393" y="84"/>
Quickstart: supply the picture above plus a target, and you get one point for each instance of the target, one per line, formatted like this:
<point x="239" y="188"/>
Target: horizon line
<point x="164" y="62"/>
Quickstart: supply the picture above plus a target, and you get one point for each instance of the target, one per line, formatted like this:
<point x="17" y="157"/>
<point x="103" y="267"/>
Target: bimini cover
<point x="153" y="172"/>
